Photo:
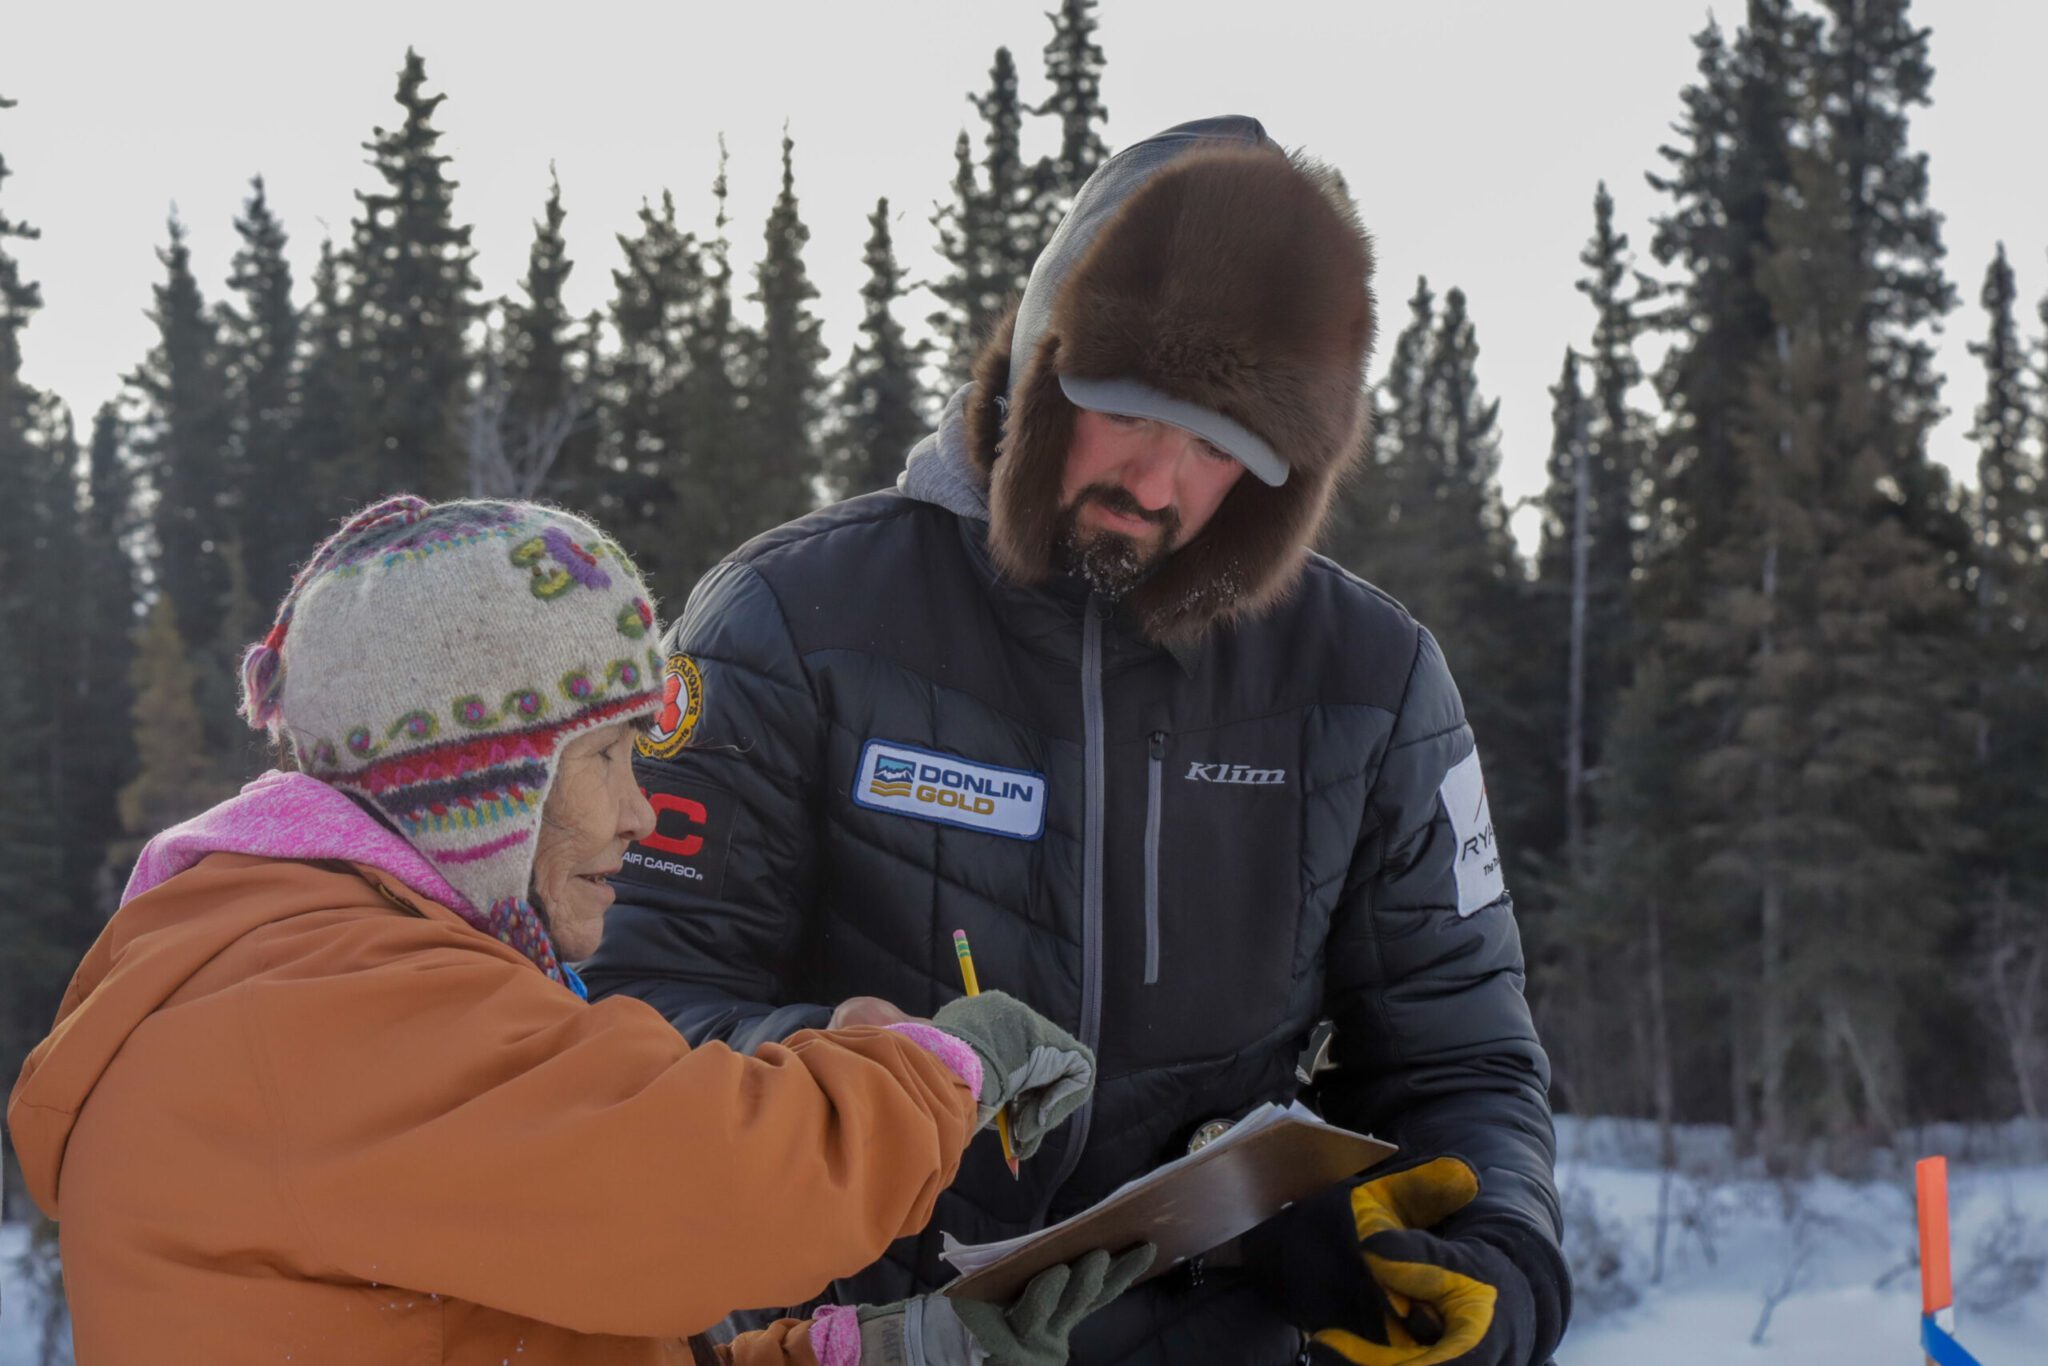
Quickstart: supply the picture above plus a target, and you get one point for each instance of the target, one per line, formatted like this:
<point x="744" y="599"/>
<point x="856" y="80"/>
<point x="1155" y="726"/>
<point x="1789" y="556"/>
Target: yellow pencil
<point x="974" y="989"/>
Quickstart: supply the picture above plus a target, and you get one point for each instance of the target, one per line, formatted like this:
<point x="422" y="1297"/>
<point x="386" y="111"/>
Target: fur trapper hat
<point x="1215" y="269"/>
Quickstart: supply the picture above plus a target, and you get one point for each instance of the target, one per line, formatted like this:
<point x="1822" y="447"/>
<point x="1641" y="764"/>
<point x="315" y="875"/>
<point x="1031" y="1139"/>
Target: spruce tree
<point x="279" y="510"/>
<point x="1348" y="530"/>
<point x="785" y="384"/>
<point x="19" y="404"/>
<point x="184" y="439"/>
<point x="1469" y="587"/>
<point x="33" y="907"/>
<point x="2041" y="383"/>
<point x="1614" y="441"/>
<point x="965" y="315"/>
<point x="19" y="298"/>
<point x="676" y="432"/>
<point x="1730" y="164"/>
<point x="880" y="403"/>
<point x="1380" y="515"/>
<point x="1410" y="427"/>
<point x="175" y="778"/>
<point x="414" y="298"/>
<point x="47" y="853"/>
<point x="1564" y="941"/>
<point x="1009" y="200"/>
<point x="327" y="436"/>
<point x="539" y="331"/>
<point x="1568" y="420"/>
<point x="547" y="391"/>
<point x="1565" y="655"/>
<point x="657" y="300"/>
<point x="1872" y="72"/>
<point x="991" y="230"/>
<point x="715" y="488"/>
<point x="1733" y="160"/>
<point x="1466" y="446"/>
<point x="2009" y="876"/>
<point x="2009" y="501"/>
<point x="528" y="405"/>
<point x="98" y="748"/>
<point x="1425" y="521"/>
<point x="1830" y="797"/>
<point x="44" y="581"/>
<point x="1073" y="66"/>
<point x="1625" y="965"/>
<point x="1616" y="431"/>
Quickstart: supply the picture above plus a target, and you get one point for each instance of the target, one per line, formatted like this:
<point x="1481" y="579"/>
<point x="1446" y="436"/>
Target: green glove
<point x="1031" y="1330"/>
<point x="1028" y="1063"/>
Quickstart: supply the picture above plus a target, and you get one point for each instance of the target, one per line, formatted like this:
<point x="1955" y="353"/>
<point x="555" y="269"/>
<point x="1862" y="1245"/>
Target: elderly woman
<point x="326" y="1089"/>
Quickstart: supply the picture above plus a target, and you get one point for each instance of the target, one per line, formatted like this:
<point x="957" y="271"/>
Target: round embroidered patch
<point x="682" y="704"/>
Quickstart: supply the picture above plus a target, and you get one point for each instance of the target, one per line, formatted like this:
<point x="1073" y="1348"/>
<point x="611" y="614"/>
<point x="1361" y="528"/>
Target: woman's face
<point x="593" y="811"/>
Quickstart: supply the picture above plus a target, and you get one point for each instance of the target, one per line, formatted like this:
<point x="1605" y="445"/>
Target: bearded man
<point x="1079" y="687"/>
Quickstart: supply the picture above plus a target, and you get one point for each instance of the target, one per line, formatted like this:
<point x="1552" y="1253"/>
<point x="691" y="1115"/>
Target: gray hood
<point x="941" y="468"/>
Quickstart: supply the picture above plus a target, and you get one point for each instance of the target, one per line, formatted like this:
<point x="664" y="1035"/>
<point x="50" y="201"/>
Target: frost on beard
<point x="1108" y="563"/>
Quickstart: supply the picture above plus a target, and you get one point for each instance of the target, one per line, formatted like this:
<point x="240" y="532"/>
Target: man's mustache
<point x="1119" y="499"/>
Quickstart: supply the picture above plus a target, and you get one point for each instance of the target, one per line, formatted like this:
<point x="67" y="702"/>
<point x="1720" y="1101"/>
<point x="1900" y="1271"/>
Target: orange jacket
<point x="297" y="1112"/>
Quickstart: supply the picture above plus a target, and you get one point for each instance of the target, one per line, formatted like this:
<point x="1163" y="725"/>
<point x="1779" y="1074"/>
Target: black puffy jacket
<point x="1186" y="857"/>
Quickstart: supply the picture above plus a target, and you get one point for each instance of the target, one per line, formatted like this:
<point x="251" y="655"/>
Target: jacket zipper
<point x="1154" y="771"/>
<point x="1091" y="876"/>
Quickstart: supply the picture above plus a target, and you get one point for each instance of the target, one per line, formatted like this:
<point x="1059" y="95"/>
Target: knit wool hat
<point x="434" y="658"/>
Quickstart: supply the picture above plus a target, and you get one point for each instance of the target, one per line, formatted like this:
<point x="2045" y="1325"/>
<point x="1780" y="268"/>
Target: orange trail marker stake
<point x="1937" y="1293"/>
<point x="974" y="989"/>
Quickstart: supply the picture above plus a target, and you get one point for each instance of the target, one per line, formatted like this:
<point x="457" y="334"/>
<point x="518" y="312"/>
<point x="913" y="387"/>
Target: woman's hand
<point x="1031" y="1330"/>
<point x="1028" y="1063"/>
<point x="869" y="1010"/>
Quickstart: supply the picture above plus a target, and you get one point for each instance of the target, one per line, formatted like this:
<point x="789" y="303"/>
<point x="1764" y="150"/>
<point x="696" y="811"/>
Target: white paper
<point x="972" y="1257"/>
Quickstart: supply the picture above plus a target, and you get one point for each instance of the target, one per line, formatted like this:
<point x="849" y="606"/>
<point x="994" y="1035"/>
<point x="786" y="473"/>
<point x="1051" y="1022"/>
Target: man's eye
<point x="1215" y="452"/>
<point x="1123" y="419"/>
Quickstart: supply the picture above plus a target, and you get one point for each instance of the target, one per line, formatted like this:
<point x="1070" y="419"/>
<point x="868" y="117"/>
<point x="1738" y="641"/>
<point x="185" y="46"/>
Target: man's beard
<point x="1110" y="562"/>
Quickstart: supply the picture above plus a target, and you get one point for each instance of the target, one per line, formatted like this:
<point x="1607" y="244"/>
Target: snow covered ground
<point x="1843" y="1251"/>
<point x="1840" y="1249"/>
<point x="20" y="1329"/>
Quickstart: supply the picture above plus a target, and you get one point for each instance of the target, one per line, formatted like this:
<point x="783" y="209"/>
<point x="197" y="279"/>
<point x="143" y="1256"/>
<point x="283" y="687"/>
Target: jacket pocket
<point x="1155" y="771"/>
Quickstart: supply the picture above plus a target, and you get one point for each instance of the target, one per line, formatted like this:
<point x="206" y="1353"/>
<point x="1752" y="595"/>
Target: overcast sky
<point x="1472" y="131"/>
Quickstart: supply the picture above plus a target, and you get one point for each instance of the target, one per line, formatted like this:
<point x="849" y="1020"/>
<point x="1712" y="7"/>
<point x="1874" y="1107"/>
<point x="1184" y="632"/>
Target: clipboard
<point x="1269" y="1160"/>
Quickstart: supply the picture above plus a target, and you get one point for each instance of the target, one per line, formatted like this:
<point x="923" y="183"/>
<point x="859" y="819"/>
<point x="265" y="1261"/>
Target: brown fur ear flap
<point x="1024" y="491"/>
<point x="985" y="408"/>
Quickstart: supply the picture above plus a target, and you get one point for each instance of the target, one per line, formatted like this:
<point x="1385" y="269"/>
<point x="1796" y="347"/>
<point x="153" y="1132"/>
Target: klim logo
<point x="950" y="790"/>
<point x="1237" y="773"/>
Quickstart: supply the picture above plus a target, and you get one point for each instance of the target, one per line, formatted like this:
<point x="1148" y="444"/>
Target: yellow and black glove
<point x="1361" y="1269"/>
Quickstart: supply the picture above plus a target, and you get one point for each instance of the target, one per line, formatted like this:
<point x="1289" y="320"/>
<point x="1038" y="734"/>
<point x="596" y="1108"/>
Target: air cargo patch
<point x="1478" y="863"/>
<point x="682" y="704"/>
<point x="906" y="781"/>
<point x="692" y="834"/>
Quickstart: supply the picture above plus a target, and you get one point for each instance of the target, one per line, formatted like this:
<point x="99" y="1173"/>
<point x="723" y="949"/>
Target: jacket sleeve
<point x="475" y="1131"/>
<point x="710" y="910"/>
<point x="1434" y="1047"/>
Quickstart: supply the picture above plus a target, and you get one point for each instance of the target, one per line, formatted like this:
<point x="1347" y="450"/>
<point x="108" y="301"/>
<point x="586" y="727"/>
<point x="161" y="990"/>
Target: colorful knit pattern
<point x="948" y="1049"/>
<point x="835" y="1335"/>
<point x="436" y="658"/>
